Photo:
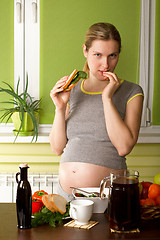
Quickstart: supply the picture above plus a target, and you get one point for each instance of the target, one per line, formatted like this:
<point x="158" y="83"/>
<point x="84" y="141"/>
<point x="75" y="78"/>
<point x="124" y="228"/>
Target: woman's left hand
<point x="112" y="86"/>
<point x="122" y="133"/>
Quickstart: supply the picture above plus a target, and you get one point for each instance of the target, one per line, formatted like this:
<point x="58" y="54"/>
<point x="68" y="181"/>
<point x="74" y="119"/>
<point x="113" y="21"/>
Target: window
<point x="27" y="44"/>
<point x="147" y="69"/>
<point x="26" y="54"/>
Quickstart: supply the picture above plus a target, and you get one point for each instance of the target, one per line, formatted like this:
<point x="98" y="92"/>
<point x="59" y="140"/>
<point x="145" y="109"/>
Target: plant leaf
<point x="34" y="120"/>
<point x="26" y="87"/>
<point x="8" y="86"/>
<point x="23" y="102"/>
<point x="17" y="85"/>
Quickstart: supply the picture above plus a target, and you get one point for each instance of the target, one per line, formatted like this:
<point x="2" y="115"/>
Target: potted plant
<point x="23" y="111"/>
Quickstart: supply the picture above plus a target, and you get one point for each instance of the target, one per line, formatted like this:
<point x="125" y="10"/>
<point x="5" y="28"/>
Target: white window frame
<point x="27" y="57"/>
<point x="146" y="61"/>
<point x="27" y="44"/>
<point x="148" y="133"/>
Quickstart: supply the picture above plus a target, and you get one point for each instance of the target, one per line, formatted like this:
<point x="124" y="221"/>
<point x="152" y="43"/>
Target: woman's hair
<point x="101" y="31"/>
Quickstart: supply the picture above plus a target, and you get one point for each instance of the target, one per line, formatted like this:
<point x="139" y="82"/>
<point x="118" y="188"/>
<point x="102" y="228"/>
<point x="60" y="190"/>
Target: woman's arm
<point x="57" y="137"/>
<point x="123" y="134"/>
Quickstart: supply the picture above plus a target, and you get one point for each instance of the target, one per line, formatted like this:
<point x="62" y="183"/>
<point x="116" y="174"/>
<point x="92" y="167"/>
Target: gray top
<point x="88" y="139"/>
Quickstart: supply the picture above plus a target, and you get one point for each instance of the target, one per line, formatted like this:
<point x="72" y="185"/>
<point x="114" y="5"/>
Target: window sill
<point x="7" y="136"/>
<point x="147" y="134"/>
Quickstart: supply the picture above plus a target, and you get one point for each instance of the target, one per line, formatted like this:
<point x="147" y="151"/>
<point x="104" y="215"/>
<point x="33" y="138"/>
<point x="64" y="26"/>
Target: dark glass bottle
<point x="23" y="198"/>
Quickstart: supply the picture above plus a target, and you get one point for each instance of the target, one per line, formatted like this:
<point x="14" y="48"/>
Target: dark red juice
<point x="124" y="205"/>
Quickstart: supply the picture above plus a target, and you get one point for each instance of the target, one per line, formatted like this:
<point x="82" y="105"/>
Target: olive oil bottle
<point x="23" y="198"/>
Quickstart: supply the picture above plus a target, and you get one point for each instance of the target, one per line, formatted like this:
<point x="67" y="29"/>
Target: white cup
<point x="81" y="211"/>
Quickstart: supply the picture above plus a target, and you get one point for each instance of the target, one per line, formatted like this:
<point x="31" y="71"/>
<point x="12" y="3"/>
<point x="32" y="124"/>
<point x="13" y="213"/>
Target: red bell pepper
<point x="38" y="195"/>
<point x="36" y="206"/>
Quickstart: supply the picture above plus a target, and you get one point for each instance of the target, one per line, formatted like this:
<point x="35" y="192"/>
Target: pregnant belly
<point x="77" y="174"/>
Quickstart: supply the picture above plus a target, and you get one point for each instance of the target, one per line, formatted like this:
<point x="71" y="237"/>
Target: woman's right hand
<point x="60" y="97"/>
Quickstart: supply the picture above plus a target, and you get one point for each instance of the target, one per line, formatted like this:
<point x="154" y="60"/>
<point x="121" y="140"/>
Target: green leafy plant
<point x="45" y="216"/>
<point x="22" y="103"/>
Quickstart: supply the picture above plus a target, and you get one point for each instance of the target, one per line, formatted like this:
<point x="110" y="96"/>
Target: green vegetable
<point x="82" y="195"/>
<point x="51" y="218"/>
<point x="81" y="74"/>
<point x="92" y="195"/>
<point x="77" y="77"/>
<point x="79" y="195"/>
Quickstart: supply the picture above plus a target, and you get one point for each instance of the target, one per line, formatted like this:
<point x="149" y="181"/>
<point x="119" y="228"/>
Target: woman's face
<point x="102" y="57"/>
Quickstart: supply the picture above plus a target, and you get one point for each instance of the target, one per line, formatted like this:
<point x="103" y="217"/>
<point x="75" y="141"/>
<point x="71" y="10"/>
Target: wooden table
<point x="9" y="230"/>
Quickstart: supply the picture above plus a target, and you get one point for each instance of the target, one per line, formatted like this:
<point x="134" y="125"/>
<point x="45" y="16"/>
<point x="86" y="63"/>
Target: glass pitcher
<point x="124" y="203"/>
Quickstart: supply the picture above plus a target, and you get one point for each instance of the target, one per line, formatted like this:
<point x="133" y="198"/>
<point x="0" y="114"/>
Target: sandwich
<point x="73" y="79"/>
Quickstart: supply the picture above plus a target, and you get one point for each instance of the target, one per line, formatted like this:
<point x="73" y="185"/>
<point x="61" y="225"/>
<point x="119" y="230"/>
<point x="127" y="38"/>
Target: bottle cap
<point x="23" y="165"/>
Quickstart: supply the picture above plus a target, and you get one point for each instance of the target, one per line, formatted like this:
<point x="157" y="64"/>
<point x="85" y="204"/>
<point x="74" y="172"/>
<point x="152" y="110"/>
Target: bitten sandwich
<point x="73" y="79"/>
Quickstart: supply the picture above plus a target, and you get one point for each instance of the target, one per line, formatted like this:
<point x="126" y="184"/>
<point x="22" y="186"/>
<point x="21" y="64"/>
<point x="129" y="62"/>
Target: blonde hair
<point x="100" y="31"/>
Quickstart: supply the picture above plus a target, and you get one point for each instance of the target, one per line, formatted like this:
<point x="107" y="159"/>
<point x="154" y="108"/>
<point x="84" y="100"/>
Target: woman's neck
<point x="92" y="85"/>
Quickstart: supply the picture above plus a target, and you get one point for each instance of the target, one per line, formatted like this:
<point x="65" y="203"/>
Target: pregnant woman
<point x="97" y="122"/>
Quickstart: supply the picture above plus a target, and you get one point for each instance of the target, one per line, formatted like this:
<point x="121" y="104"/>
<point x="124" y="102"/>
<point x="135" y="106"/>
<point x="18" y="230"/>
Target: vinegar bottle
<point x="23" y="198"/>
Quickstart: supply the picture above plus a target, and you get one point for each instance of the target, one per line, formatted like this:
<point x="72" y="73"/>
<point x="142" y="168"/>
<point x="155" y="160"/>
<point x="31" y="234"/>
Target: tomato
<point x="79" y="195"/>
<point x="36" y="206"/>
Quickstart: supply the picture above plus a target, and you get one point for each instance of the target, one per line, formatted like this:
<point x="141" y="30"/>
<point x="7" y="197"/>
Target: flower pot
<point x="27" y="126"/>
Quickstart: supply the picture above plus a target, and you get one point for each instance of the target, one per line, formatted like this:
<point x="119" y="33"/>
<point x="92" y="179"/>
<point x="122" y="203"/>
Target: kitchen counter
<point x="150" y="230"/>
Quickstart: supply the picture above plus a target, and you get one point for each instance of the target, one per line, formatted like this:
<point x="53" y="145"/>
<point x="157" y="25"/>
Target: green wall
<point x="62" y="29"/>
<point x="6" y="42"/>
